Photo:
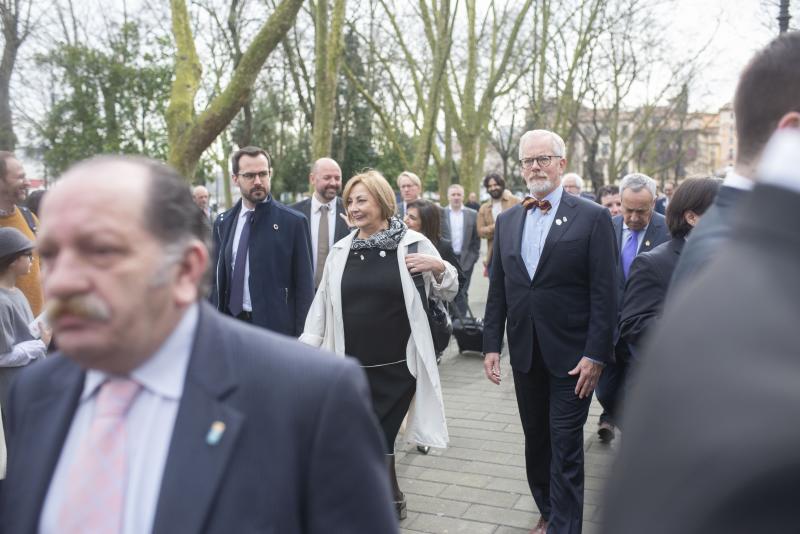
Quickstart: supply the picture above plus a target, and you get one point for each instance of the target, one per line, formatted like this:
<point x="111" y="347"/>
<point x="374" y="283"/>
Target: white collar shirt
<point x="537" y="226"/>
<point x="150" y="424"/>
<point x="457" y="229"/>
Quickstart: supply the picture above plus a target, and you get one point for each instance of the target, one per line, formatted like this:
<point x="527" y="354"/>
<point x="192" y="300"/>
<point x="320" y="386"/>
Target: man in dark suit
<point x="466" y="242"/>
<point x="637" y="229"/>
<point x="162" y="415"/>
<point x="647" y="284"/>
<point x="324" y="211"/>
<point x="663" y="201"/>
<point x="553" y="283"/>
<point x="272" y="242"/>
<point x="721" y="372"/>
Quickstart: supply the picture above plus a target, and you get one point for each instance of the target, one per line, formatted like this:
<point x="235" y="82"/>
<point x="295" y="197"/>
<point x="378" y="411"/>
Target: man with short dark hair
<point x="262" y="237"/>
<point x="500" y="200"/>
<point x="13" y="192"/>
<point x="324" y="211"/>
<point x="608" y="196"/>
<point x="766" y="92"/>
<point x="160" y="414"/>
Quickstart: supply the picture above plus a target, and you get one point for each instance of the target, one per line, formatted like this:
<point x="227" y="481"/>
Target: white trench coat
<point x="324" y="328"/>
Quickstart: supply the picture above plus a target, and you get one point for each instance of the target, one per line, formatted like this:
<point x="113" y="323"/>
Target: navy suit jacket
<point x="471" y="242"/>
<point x="281" y="273"/>
<point x="661" y="205"/>
<point x="341" y="230"/>
<point x="301" y="451"/>
<point x="569" y="309"/>
<point x="646" y="290"/>
<point x="655" y="234"/>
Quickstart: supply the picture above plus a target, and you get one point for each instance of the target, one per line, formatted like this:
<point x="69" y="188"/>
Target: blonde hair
<point x="377" y="186"/>
<point x="411" y="176"/>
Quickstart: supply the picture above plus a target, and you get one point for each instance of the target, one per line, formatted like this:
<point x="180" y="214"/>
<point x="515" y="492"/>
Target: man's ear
<point x="790" y="120"/>
<point x="191" y="270"/>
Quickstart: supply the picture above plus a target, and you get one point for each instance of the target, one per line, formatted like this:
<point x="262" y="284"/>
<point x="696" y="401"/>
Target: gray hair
<point x="636" y="182"/>
<point x="559" y="147"/>
<point x="455" y="186"/>
<point x="574" y="176"/>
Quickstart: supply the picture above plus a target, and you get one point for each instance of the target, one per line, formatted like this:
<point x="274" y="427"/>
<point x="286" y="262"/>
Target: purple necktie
<point x="237" y="280"/>
<point x="629" y="252"/>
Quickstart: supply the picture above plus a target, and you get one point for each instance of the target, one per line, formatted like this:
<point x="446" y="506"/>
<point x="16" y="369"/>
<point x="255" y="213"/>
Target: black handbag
<point x="439" y="322"/>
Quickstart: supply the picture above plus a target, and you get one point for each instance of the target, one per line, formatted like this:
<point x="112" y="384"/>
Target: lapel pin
<point x="565" y="219"/>
<point x="382" y="253"/>
<point x="647" y="243"/>
<point x="215" y="433"/>
<point x="558" y="222"/>
<point x="275" y="226"/>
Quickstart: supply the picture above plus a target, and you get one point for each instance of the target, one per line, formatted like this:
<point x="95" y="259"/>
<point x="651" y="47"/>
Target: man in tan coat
<point x="501" y="200"/>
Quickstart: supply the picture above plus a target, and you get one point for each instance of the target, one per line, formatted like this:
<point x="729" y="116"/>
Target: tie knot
<point x="323" y="208"/>
<point x="249" y="215"/>
<point x="116" y="396"/>
<point x="530" y="203"/>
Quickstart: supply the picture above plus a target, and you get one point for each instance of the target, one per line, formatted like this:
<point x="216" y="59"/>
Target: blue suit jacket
<point x="301" y="451"/>
<point x="569" y="308"/>
<point x="281" y="273"/>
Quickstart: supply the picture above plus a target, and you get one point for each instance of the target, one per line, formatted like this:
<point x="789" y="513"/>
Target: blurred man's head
<point x="13" y="182"/>
<point x="119" y="275"/>
<point x="473" y="198"/>
<point x="326" y="179"/>
<point x="455" y="196"/>
<point x="201" y="196"/>
<point x="638" y="196"/>
<point x="573" y="184"/>
<point x="767" y="98"/>
<point x="410" y="186"/>
<point x="669" y="189"/>
<point x="494" y="184"/>
<point x="608" y="196"/>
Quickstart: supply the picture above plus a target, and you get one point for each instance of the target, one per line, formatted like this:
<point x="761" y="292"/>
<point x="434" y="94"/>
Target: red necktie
<point x="530" y="203"/>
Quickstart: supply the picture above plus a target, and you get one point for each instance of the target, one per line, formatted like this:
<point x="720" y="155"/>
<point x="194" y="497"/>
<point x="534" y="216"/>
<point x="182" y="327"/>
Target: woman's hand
<point x="420" y="263"/>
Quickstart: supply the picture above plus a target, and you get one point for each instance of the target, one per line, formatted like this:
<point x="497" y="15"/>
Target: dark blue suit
<point x="612" y="382"/>
<point x="281" y="274"/>
<point x="566" y="312"/>
<point x="301" y="451"/>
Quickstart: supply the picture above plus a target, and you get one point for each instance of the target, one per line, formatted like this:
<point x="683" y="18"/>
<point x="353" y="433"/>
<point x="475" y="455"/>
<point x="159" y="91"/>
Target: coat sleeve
<point x="315" y="324"/>
<point x="494" y="318"/>
<point x="603" y="291"/>
<point x="474" y="245"/>
<point x="447" y="289"/>
<point x="642" y="302"/>
<point x="304" y="274"/>
<point x="216" y="247"/>
<point x="348" y="482"/>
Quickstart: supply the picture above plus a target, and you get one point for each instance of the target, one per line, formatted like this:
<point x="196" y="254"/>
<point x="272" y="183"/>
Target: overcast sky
<point x="736" y="29"/>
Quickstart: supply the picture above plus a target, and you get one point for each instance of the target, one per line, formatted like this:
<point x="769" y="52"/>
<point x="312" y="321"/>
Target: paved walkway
<point x="478" y="485"/>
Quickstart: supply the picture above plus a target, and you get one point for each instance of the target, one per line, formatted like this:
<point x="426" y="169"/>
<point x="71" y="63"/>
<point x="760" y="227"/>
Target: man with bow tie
<point x="553" y="284"/>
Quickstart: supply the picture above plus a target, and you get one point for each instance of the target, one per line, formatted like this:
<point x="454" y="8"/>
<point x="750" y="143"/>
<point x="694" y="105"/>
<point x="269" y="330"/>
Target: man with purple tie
<point x="638" y="229"/>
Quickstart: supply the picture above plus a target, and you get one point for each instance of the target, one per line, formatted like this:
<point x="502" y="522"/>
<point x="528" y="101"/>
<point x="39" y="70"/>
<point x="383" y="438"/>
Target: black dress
<point x="376" y="332"/>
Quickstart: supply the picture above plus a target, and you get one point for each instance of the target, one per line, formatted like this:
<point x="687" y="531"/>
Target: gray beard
<point x="539" y="188"/>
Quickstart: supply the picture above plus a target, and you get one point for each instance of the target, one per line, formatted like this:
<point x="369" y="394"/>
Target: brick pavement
<point x="478" y="485"/>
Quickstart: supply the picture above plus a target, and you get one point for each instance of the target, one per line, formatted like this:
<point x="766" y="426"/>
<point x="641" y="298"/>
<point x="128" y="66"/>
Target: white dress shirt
<point x="247" y="305"/>
<point x="497" y="208"/>
<point x="780" y="164"/>
<point x="537" y="226"/>
<point x="315" y="213"/>
<point x="737" y="181"/>
<point x="457" y="229"/>
<point x="150" y="422"/>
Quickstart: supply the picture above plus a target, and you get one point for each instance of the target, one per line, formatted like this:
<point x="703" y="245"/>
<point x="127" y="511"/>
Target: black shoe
<point x="424" y="449"/>
<point x="605" y="432"/>
<point x="400" y="507"/>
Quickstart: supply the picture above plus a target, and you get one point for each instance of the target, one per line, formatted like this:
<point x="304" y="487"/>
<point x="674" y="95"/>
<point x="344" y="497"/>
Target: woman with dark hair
<point x="648" y="282"/>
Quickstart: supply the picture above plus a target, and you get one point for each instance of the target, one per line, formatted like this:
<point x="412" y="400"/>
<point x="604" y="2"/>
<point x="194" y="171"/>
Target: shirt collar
<point x="315" y="204"/>
<point x="554" y="197"/>
<point x="626" y="229"/>
<point x="163" y="373"/>
<point x="737" y="181"/>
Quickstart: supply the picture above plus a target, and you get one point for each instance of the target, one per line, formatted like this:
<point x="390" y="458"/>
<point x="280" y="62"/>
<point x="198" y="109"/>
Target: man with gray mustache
<point x="160" y="414"/>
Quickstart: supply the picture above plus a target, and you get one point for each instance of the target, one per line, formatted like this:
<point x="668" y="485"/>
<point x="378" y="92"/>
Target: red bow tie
<point x="529" y="203"/>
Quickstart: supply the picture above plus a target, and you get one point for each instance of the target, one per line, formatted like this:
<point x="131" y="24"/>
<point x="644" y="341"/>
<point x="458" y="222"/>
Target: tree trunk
<point x="189" y="135"/>
<point x="329" y="49"/>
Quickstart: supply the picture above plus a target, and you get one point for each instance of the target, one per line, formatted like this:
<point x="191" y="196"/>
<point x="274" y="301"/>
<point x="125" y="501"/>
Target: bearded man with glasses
<point x="552" y="289"/>
<point x="262" y="252"/>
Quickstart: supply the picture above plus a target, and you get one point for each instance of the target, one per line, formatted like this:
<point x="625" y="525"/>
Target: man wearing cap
<point x="13" y="191"/>
<point x="162" y="415"/>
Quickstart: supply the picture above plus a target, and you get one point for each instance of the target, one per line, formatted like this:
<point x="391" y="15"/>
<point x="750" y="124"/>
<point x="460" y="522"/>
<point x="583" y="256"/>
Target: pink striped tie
<point x="94" y="498"/>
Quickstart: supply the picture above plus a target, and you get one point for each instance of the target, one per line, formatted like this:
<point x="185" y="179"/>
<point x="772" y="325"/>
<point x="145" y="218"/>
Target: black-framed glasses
<point x="250" y="176"/>
<point x="543" y="161"/>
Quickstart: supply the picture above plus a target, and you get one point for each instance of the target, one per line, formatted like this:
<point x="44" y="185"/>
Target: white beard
<point x="540" y="187"/>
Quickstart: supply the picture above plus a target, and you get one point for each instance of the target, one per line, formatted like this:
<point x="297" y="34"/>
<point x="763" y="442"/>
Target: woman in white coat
<point x="368" y="307"/>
